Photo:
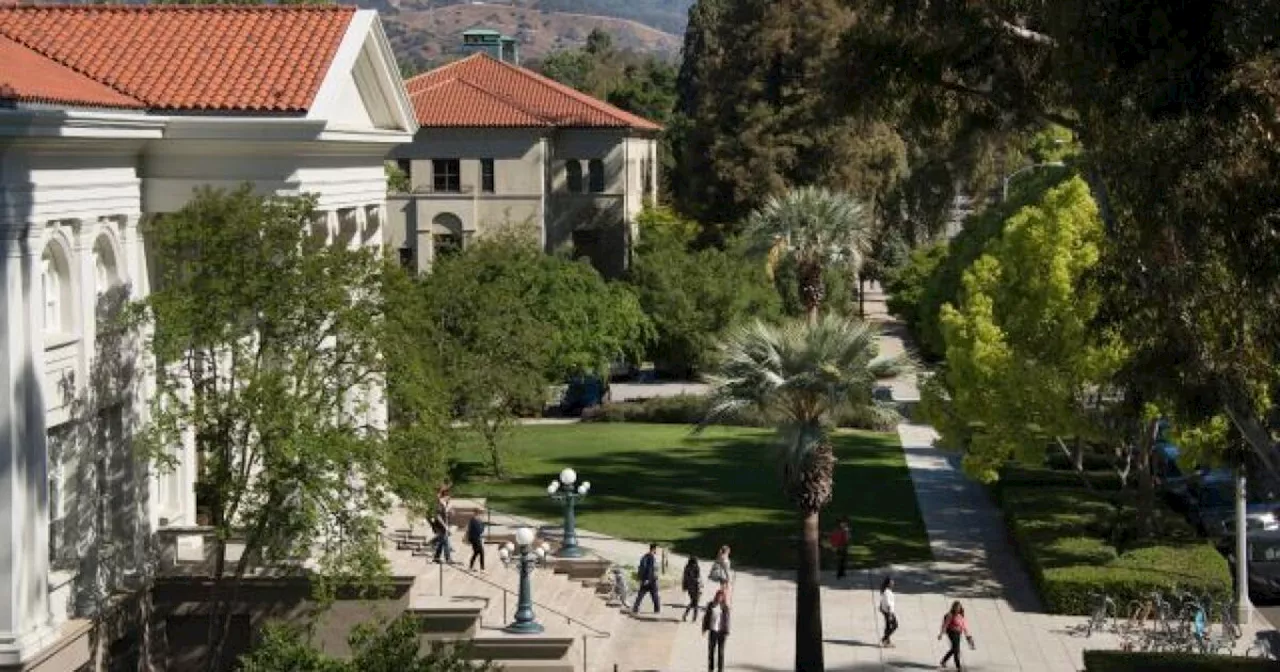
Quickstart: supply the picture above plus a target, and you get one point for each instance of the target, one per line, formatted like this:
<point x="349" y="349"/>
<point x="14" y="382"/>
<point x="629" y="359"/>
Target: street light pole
<point x="564" y="490"/>
<point x="524" y="623"/>
<point x="1004" y="195"/>
<point x="1244" y="609"/>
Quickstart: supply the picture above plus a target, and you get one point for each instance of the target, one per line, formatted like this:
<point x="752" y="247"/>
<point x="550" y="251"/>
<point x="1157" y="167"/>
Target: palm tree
<point x="797" y="375"/>
<point x="817" y="228"/>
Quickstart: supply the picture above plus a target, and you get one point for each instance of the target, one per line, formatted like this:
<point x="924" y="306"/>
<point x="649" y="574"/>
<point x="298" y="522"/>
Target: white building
<point x="108" y="115"/>
<point x="502" y="145"/>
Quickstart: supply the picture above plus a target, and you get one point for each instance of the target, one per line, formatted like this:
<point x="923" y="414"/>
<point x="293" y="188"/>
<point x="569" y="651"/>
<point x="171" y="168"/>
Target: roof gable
<point x="507" y="88"/>
<point x="267" y="59"/>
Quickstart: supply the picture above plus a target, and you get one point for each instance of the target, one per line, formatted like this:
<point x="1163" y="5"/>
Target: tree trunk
<point x="809" y="599"/>
<point x="1146" y="483"/>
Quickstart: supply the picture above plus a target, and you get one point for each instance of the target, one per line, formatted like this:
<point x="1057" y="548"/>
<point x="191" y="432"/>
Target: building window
<point x="486" y="176"/>
<point x="646" y="177"/>
<point x="406" y="258"/>
<point x="446" y="245"/>
<point x="406" y="167"/>
<point x="596" y="169"/>
<point x="573" y="176"/>
<point x="55" y="289"/>
<point x="446" y="175"/>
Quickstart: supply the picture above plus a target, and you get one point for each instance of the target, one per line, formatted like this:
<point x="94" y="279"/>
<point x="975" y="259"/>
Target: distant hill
<point x="425" y="33"/>
<point x="426" y="37"/>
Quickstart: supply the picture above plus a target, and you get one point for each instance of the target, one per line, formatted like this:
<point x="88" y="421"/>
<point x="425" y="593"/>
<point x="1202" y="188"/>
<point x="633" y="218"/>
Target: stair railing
<point x="595" y="633"/>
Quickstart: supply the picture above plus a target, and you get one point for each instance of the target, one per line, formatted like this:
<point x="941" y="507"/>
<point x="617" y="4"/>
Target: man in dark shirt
<point x="648" y="574"/>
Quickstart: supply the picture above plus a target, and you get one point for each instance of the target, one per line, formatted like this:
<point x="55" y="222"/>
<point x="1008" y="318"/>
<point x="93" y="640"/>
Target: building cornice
<point x="64" y="123"/>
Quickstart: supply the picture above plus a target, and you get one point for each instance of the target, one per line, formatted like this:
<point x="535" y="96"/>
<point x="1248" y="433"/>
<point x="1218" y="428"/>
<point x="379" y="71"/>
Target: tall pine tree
<point x="755" y="95"/>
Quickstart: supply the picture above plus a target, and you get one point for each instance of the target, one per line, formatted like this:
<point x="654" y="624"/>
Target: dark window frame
<point x="446" y="176"/>
<point x="573" y="177"/>
<point x="487" y="176"/>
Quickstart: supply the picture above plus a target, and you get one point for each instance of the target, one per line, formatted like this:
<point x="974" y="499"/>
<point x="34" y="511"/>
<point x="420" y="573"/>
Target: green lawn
<point x="696" y="492"/>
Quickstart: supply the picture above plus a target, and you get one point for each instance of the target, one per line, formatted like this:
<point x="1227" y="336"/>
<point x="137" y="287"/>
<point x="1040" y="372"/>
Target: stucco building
<point x="110" y="115"/>
<point x="500" y="145"/>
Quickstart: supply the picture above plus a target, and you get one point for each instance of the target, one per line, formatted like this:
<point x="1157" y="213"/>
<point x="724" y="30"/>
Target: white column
<point x="24" y="497"/>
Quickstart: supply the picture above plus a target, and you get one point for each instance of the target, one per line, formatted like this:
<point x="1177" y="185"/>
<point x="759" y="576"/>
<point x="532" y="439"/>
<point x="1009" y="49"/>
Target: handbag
<point x="717" y="573"/>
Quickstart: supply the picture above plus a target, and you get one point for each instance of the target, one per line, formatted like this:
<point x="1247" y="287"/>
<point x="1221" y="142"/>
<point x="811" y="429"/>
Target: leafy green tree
<point x="693" y="295"/>
<point x="1174" y="106"/>
<point x="270" y="358"/>
<point x="505" y="320"/>
<point x="1023" y="359"/>
<point x="798" y="374"/>
<point x="816" y="228"/>
<point x="393" y="646"/>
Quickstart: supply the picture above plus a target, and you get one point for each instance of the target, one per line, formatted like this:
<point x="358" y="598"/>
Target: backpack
<point x="717" y="573"/>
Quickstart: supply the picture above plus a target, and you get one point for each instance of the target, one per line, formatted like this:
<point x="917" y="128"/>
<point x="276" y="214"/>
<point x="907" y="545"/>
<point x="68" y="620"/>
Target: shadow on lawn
<point x="711" y="476"/>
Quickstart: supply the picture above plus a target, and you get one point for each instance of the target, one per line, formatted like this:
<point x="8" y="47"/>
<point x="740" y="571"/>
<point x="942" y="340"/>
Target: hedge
<point x="1076" y="542"/>
<point x="687" y="409"/>
<point x="1120" y="661"/>
<point x="1013" y="475"/>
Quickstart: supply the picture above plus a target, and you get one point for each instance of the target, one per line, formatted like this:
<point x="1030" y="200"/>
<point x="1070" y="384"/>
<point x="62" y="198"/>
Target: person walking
<point x="715" y="625"/>
<point x="692" y="584"/>
<point x="954" y="627"/>
<point x="440" y="525"/>
<point x="840" y="544"/>
<point x="648" y="573"/>
<point x="889" y="610"/>
<point x="722" y="572"/>
<point x="475" y="537"/>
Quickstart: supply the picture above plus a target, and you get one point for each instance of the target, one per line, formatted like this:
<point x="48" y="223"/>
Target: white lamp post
<point x="566" y="489"/>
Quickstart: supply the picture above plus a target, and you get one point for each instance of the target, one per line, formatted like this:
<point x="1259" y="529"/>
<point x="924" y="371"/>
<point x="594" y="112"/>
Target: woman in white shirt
<point x="887" y="608"/>
<point x="721" y="572"/>
<point x="715" y="625"/>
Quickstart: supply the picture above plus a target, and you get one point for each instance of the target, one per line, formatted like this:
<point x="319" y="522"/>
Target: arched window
<point x="573" y="176"/>
<point x="55" y="290"/>
<point x="596" y="169"/>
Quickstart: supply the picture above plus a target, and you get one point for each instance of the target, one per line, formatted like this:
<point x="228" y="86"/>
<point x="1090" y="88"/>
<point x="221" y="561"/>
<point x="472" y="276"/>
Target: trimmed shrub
<point x="686" y="409"/>
<point x="1016" y="475"/>
<point x="1076" y="543"/>
<point x="1121" y="661"/>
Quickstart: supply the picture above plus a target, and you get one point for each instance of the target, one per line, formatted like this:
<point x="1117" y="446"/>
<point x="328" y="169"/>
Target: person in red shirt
<point x="954" y="627"/>
<point x="840" y="543"/>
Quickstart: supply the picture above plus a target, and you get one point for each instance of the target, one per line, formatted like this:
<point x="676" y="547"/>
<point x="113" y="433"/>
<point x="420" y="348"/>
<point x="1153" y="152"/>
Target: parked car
<point x="1264" y="564"/>
<point x="1212" y="496"/>
<point x="584" y="392"/>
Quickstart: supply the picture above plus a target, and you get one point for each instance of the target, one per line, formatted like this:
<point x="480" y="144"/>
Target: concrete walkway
<point x="973" y="562"/>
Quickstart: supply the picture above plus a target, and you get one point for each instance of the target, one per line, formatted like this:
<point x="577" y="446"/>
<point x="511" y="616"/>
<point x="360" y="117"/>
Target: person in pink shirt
<point x="954" y="627"/>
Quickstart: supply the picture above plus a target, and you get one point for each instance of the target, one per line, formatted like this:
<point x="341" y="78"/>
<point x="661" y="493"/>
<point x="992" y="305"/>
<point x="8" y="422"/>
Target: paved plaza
<point x="973" y="562"/>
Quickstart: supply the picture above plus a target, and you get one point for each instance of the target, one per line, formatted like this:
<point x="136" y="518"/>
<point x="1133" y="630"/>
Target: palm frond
<point x="814" y="225"/>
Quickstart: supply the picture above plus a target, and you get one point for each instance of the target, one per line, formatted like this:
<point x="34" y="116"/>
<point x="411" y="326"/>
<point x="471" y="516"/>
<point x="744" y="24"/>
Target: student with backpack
<point x="648" y="575"/>
<point x="692" y="585"/>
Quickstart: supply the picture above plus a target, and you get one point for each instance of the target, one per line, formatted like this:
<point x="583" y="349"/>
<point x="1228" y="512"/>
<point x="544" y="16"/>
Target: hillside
<point x="424" y="37"/>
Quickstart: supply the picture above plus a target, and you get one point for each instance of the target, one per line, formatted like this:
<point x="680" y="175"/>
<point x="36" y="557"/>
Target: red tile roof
<point x="31" y="78"/>
<point x="265" y="59"/>
<point x="513" y="97"/>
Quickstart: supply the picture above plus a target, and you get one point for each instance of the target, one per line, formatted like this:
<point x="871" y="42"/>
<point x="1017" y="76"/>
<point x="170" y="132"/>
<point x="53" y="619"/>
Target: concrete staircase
<point x="458" y="604"/>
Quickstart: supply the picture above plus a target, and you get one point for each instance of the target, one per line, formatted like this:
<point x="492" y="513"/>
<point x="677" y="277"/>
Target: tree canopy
<point x="1174" y="106"/>
<point x="1024" y="360"/>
